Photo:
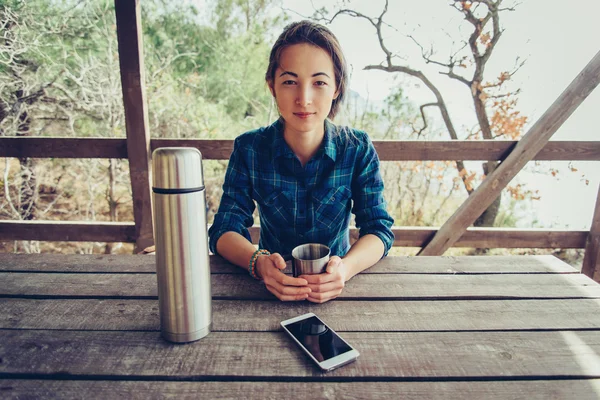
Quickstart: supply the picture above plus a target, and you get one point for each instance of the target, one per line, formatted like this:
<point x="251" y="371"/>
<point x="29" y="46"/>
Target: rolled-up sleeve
<point x="236" y="207"/>
<point x="370" y="207"/>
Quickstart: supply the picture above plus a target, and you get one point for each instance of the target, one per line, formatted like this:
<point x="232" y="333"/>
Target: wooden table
<point x="427" y="327"/>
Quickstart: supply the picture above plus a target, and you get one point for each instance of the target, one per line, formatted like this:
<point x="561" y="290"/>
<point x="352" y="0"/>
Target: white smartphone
<point x="322" y="344"/>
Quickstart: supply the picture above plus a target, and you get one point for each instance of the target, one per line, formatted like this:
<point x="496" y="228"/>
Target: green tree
<point x="59" y="76"/>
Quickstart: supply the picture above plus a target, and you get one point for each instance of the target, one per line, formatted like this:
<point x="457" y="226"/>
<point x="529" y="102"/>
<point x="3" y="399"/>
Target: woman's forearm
<point x="364" y="253"/>
<point x="235" y="248"/>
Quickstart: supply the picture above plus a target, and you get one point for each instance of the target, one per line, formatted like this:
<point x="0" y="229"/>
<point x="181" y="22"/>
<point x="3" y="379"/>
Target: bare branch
<point x="450" y="65"/>
<point x="499" y="96"/>
<point x="423" y="116"/>
<point x="375" y="22"/>
<point x="459" y="78"/>
<point x="497" y="32"/>
<point x="429" y="84"/>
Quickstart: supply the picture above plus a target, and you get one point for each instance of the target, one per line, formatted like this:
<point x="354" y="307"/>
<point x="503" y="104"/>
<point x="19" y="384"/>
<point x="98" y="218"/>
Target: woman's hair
<point x="319" y="36"/>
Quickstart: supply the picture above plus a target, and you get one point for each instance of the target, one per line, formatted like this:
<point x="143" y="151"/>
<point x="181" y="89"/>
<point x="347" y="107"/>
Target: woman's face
<point x="304" y="88"/>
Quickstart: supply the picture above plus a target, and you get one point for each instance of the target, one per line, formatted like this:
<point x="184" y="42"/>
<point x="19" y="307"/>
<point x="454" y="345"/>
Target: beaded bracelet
<point x="252" y="263"/>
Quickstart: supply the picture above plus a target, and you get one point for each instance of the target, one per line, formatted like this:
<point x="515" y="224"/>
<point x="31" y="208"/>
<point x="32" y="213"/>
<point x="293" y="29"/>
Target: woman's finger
<point x="318" y="279"/>
<point x="326" y="287"/>
<point x="334" y="262"/>
<point x="290" y="281"/>
<point x="322" y="297"/>
<point x="287" y="290"/>
<point x="275" y="274"/>
<point x="287" y="297"/>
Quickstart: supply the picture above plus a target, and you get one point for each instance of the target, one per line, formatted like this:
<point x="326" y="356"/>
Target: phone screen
<point x="318" y="339"/>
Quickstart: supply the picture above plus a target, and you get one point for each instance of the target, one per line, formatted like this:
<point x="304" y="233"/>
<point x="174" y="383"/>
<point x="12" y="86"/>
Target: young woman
<point x="306" y="175"/>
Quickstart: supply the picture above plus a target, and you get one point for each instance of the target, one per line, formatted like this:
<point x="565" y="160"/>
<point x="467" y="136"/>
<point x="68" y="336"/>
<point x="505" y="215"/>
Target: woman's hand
<point x="328" y="285"/>
<point x="285" y="287"/>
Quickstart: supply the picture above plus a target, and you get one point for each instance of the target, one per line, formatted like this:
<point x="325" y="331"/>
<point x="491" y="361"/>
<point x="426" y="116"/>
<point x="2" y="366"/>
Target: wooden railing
<point x="137" y="148"/>
<point x="45" y="147"/>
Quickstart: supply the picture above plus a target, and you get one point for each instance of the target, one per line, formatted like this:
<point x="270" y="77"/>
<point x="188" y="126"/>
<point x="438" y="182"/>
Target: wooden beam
<point x="68" y="231"/>
<point x="492" y="238"/>
<point x="414" y="236"/>
<point x="481" y="150"/>
<point x="61" y="147"/>
<point x="131" y="61"/>
<point x="533" y="141"/>
<point x="591" y="258"/>
<point x="491" y="390"/>
<point x="396" y="150"/>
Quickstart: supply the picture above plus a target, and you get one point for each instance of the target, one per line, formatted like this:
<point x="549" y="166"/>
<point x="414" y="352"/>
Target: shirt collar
<point x="281" y="148"/>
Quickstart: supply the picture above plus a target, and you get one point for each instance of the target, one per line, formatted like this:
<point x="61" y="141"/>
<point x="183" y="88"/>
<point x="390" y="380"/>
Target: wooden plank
<point x="494" y="390"/>
<point x="68" y="231"/>
<point x="63" y="147"/>
<point x="405" y="236"/>
<point x="384" y="355"/>
<point x="591" y="259"/>
<point x="118" y="263"/>
<point x="480" y="150"/>
<point x="85" y="263"/>
<point x="491" y="237"/>
<point x="533" y="141"/>
<point x="351" y="315"/>
<point x="212" y="149"/>
<point x="131" y="62"/>
<point x="365" y="286"/>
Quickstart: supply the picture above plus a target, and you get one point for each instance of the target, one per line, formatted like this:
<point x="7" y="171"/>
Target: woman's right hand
<point x="284" y="287"/>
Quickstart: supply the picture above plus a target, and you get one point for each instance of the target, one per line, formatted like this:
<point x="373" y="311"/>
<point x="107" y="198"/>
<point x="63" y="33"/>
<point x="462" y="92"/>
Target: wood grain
<point x="405" y="236"/>
<point x="492" y="237"/>
<point x="384" y="355"/>
<point x="131" y="62"/>
<point x="392" y="264"/>
<point x="367" y="286"/>
<point x="351" y="315"/>
<point x="530" y="390"/>
<point x="445" y="347"/>
<point x="68" y="231"/>
<point x="533" y="141"/>
<point x="212" y="149"/>
<point x="591" y="259"/>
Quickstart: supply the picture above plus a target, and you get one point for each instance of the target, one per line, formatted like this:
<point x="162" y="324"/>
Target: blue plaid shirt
<point x="309" y="204"/>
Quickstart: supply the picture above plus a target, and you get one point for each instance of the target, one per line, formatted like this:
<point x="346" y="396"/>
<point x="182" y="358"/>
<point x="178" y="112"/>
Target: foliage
<point x="59" y="76"/>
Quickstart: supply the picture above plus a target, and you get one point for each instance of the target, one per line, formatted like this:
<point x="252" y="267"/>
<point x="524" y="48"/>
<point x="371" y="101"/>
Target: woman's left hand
<point x="328" y="285"/>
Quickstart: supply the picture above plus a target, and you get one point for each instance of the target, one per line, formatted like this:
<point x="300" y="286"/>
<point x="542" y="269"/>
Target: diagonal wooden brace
<point x="524" y="151"/>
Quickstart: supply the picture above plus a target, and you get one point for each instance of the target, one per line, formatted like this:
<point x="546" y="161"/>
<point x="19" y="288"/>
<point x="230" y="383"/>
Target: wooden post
<point x="533" y="141"/>
<point x="131" y="61"/>
<point x="591" y="258"/>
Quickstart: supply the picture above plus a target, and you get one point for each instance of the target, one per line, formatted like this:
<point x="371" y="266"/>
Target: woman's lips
<point x="303" y="115"/>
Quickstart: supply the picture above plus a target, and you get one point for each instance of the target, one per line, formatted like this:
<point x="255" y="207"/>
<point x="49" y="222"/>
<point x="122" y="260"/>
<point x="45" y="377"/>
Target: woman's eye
<point x="289" y="82"/>
<point x="320" y="83"/>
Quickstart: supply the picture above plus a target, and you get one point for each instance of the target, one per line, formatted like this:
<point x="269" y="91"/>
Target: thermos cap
<point x="177" y="168"/>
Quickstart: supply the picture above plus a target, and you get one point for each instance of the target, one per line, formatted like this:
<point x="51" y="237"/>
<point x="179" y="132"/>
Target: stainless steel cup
<point x="181" y="240"/>
<point x="310" y="258"/>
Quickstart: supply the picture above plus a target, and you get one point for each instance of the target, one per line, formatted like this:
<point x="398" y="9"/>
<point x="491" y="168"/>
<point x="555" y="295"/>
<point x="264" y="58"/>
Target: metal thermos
<point x="181" y="242"/>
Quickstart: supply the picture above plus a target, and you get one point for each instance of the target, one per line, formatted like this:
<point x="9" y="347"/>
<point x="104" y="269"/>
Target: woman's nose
<point x="304" y="96"/>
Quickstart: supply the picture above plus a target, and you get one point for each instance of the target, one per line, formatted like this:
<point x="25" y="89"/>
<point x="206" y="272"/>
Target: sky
<point x="557" y="39"/>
